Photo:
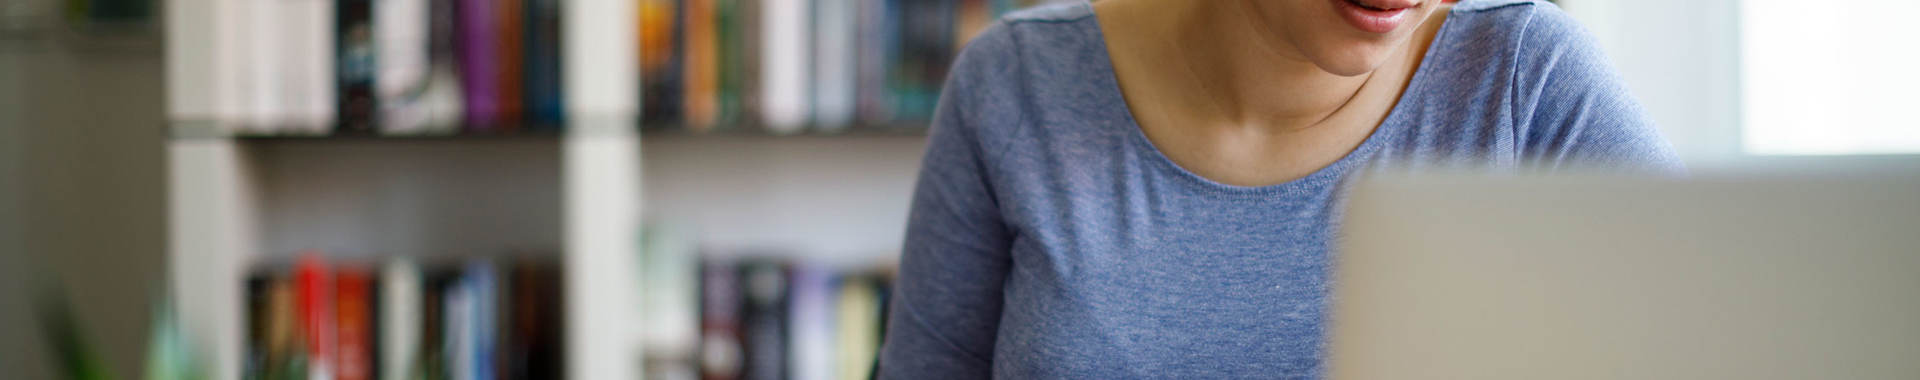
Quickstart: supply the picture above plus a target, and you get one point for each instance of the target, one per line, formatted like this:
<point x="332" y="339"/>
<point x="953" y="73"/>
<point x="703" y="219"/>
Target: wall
<point x="1682" y="59"/>
<point x="83" y="205"/>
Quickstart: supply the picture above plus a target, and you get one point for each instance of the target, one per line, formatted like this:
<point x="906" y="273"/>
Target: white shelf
<point x="234" y="201"/>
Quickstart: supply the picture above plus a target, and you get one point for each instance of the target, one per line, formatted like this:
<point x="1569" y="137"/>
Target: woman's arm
<point x="946" y="309"/>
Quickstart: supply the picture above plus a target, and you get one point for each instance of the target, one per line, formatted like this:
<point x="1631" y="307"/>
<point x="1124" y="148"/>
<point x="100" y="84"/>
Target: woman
<point x="1148" y="188"/>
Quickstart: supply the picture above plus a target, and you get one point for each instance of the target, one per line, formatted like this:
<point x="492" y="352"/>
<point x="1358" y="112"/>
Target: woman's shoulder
<point x="1056" y="11"/>
<point x="1028" y="61"/>
<point x="1514" y="24"/>
<point x="1040" y="34"/>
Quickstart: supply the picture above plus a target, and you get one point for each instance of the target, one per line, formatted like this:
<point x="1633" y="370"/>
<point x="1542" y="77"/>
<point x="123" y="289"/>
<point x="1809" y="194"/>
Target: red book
<point x="354" y="319"/>
<point x="314" y="310"/>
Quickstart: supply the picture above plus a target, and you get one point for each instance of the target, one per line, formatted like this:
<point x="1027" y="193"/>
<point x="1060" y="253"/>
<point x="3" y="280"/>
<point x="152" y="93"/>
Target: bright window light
<point x="1831" y="78"/>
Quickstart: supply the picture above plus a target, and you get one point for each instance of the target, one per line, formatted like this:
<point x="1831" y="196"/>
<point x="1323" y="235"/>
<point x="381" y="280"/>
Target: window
<point x="1830" y="78"/>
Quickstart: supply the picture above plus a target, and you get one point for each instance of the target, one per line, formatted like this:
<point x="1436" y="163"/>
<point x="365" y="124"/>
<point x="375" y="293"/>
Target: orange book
<point x="702" y="65"/>
<point x="353" y="307"/>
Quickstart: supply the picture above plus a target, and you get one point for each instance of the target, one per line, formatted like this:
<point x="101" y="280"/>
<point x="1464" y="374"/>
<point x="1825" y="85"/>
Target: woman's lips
<point x="1375" y="16"/>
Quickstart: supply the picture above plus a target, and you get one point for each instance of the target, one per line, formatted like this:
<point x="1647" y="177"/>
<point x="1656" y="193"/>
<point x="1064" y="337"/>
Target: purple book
<point x="478" y="71"/>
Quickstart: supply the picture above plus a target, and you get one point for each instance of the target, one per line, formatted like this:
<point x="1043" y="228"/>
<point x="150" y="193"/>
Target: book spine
<point x="259" y="310"/>
<point x="400" y="319"/>
<point x="401" y="31"/>
<point x="510" y="35"/>
<point x="875" y="40"/>
<point x="784" y="69"/>
<point x="483" y="287"/>
<point x="659" y="61"/>
<point x="354" y="54"/>
<point x="746" y="56"/>
<point x="811" y="323"/>
<point x="261" y="104"/>
<point x="701" y="74"/>
<point x="314" y="306"/>
<point x="478" y="70"/>
<point x="764" y="321"/>
<point x="533" y="323"/>
<point x="720" y="335"/>
<point x="232" y="78"/>
<point x="435" y="287"/>
<point x="858" y="336"/>
<point x="835" y="60"/>
<point x="545" y="105"/>
<point x="353" y="307"/>
<point x="458" y="312"/>
<point x="445" y="97"/>
<point x="727" y="34"/>
<point x="308" y="87"/>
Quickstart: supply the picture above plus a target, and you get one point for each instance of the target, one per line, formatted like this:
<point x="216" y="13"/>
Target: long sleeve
<point x="946" y="309"/>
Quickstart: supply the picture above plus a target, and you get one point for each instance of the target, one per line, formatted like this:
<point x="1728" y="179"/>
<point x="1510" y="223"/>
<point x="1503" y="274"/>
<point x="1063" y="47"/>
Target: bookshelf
<point x="800" y="164"/>
<point x="238" y="200"/>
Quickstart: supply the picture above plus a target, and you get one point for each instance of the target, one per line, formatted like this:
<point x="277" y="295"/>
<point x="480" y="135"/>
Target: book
<point x="835" y="60"/>
<point x="763" y="320"/>
<point x="784" y="68"/>
<point x="258" y="56"/>
<point x="878" y="49"/>
<point x="354" y="66"/>
<point x="313" y="309"/>
<point x="402" y="42"/>
<point x="543" y="98"/>
<point x="445" y="95"/>
<point x="535" y="342"/>
<point x="721" y="348"/>
<point x="478" y="64"/>
<point x="811" y="325"/>
<point x="926" y="31"/>
<point x="436" y="335"/>
<point x="457" y="346"/>
<point x="353" y="300"/>
<point x="731" y="33"/>
<point x="400" y="319"/>
<point x="701" y="45"/>
<point x="307" y="86"/>
<point x="482" y="289"/>
<point x="857" y="343"/>
<point x="259" y="308"/>
<point x="659" y="62"/>
<point x="510" y="54"/>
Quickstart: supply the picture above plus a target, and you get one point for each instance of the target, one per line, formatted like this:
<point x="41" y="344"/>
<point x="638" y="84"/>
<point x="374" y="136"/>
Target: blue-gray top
<point x="1050" y="238"/>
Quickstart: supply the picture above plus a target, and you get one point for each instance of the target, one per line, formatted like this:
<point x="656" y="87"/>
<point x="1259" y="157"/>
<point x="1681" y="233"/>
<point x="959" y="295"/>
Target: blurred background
<point x="617" y="188"/>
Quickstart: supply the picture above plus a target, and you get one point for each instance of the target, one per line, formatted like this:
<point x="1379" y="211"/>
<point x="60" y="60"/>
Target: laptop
<point x="1755" y="276"/>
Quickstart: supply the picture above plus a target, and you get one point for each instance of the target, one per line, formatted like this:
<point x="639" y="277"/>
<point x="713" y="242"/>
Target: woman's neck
<point x="1240" y="60"/>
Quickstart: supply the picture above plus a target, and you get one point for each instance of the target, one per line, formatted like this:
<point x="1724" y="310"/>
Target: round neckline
<point x="1325" y="174"/>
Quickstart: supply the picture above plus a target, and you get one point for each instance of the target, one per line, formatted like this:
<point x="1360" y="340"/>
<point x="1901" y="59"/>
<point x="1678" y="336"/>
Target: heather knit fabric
<point x="1050" y="239"/>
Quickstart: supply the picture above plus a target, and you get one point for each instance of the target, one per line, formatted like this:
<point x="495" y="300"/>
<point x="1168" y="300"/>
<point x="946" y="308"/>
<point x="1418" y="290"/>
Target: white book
<point x="261" y="60"/>
<point x="400" y="30"/>
<point x="231" y="29"/>
<point x="308" y="83"/>
<point x="399" y="318"/>
<point x="784" y="70"/>
<point x="834" y="63"/>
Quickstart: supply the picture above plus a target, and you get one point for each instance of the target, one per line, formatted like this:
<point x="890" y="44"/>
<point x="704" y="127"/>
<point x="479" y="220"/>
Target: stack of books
<point x="315" y="67"/>
<point x="789" y="65"/>
<point x="481" y="319"/>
